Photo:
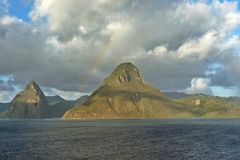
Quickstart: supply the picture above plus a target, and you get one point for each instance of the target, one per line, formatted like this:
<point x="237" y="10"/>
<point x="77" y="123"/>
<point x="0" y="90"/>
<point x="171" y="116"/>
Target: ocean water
<point x="120" y="139"/>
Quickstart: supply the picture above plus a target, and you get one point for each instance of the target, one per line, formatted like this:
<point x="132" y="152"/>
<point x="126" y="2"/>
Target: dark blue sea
<point x="193" y="139"/>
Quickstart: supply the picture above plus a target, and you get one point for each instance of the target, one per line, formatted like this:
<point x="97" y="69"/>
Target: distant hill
<point x="124" y="94"/>
<point x="59" y="105"/>
<point x="212" y="107"/>
<point x="3" y="106"/>
<point x="235" y="100"/>
<point x="175" y="95"/>
<point x="81" y="100"/>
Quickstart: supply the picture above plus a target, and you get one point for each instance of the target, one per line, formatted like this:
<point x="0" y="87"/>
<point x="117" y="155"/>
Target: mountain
<point x="30" y="103"/>
<point x="124" y="94"/>
<point x="58" y="106"/>
<point x="175" y="95"/>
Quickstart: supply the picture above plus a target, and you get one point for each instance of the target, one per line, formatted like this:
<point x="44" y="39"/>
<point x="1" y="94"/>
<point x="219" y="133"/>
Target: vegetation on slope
<point x="125" y="95"/>
<point x="211" y="107"/>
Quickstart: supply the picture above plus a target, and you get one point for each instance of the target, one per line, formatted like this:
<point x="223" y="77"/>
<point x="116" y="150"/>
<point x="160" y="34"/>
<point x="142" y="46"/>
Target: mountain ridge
<point x="124" y="94"/>
<point x="121" y="95"/>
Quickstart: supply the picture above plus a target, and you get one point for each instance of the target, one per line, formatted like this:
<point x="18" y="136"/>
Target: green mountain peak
<point x="124" y="73"/>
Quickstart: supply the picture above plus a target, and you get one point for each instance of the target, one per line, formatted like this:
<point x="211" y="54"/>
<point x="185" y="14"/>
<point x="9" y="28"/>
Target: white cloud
<point x="7" y="96"/>
<point x="158" y="51"/>
<point x="115" y="28"/>
<point x="66" y="17"/>
<point x="200" y="85"/>
<point x="68" y="95"/>
<point x="72" y="45"/>
<point x="7" y="20"/>
<point x="200" y="48"/>
<point x="232" y="43"/>
<point x="195" y="13"/>
<point x="83" y="29"/>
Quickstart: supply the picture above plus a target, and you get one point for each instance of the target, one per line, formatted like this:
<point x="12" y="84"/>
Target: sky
<point x="69" y="47"/>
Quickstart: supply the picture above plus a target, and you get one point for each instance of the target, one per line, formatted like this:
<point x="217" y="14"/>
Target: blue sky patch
<point x="20" y="9"/>
<point x="6" y="77"/>
<point x="237" y="31"/>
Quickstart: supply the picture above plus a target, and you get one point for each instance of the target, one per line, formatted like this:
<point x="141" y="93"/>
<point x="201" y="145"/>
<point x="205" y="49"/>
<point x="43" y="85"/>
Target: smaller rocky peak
<point x="29" y="103"/>
<point x="33" y="86"/>
<point x="32" y="93"/>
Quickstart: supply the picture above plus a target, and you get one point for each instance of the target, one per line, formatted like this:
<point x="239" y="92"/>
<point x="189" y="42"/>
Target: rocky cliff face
<point x="30" y="103"/>
<point x="125" y="95"/>
<point x="123" y="74"/>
